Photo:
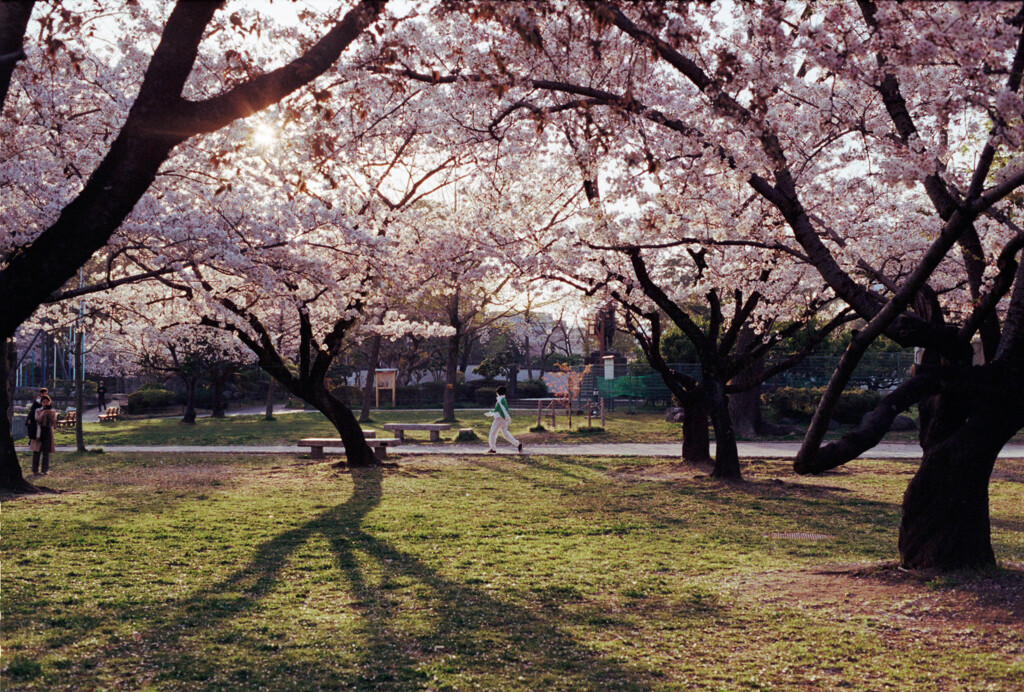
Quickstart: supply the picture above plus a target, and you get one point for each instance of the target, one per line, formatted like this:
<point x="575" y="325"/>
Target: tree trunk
<point x="357" y="452"/>
<point x="945" y="523"/>
<point x="190" y="401"/>
<point x="745" y="406"/>
<point x="219" y="376"/>
<point x="372" y="363"/>
<point x="727" y="460"/>
<point x="696" y="440"/>
<point x="11" y="478"/>
<point x="269" y="415"/>
<point x="450" y="370"/>
<point x="79" y="391"/>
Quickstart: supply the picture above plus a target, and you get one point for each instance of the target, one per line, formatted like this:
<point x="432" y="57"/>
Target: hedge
<point x="801" y="402"/>
<point x="149" y="398"/>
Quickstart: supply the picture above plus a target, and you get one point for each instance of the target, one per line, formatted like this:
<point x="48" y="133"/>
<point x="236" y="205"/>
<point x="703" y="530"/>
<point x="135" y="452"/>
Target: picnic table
<point x="433" y="428"/>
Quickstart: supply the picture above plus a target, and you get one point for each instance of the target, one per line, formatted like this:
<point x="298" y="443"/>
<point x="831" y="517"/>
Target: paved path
<point x="785" y="450"/>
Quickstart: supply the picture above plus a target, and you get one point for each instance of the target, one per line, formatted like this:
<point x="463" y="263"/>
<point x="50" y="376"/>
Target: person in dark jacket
<point x="42" y="444"/>
<point x="101" y="396"/>
<point x="30" y="420"/>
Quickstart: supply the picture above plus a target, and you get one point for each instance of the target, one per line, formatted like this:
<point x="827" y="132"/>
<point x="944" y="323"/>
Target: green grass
<point x="287" y="428"/>
<point x="166" y="572"/>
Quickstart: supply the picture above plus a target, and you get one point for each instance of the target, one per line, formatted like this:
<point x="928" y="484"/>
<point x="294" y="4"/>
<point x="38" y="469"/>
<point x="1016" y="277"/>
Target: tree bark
<point x="696" y="440"/>
<point x="451" y="368"/>
<point x="11" y="478"/>
<point x="372" y="363"/>
<point x="190" y="401"/>
<point x="14" y="18"/>
<point x="945" y="524"/>
<point x="269" y="415"/>
<point x="79" y="391"/>
<point x="727" y="459"/>
<point x="219" y="377"/>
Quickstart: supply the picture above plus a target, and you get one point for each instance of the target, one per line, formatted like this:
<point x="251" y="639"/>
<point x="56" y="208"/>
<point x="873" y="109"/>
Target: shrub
<point x="432" y="392"/>
<point x="406" y="395"/>
<point x="149" y="398"/>
<point x="480" y="390"/>
<point x="532" y="389"/>
<point x="351" y="396"/>
<point x="801" y="402"/>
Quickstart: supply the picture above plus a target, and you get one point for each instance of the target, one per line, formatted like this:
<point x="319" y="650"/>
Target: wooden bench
<point x="379" y="445"/>
<point x="69" y="420"/>
<point x="112" y="413"/>
<point x="434" y="429"/>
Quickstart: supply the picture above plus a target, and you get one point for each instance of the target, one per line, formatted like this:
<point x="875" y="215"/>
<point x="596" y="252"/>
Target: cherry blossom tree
<point x="181" y="93"/>
<point x="872" y="130"/>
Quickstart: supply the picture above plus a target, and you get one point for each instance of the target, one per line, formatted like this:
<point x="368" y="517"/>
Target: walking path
<point x="783" y="450"/>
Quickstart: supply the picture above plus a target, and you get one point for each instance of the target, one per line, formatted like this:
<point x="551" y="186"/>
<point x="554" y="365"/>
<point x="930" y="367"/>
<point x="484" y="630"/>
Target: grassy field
<point x="286" y="428"/>
<point x="207" y="572"/>
<point x="289" y="427"/>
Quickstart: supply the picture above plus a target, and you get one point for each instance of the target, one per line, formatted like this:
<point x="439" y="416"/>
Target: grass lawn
<point x="287" y="428"/>
<point x="211" y="572"/>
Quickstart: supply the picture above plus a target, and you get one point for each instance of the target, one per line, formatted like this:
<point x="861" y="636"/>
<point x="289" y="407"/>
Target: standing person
<point x="42" y="445"/>
<point x="502" y="418"/>
<point x="30" y="421"/>
<point x="101" y="396"/>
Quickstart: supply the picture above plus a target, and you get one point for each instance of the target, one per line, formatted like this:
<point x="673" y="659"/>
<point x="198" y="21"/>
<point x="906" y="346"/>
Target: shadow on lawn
<point x="489" y="640"/>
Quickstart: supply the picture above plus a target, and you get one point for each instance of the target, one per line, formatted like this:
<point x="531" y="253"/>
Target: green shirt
<point x="501" y="408"/>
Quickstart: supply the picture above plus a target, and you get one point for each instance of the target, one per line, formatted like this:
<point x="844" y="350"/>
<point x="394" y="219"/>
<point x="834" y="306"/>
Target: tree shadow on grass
<point x="470" y="633"/>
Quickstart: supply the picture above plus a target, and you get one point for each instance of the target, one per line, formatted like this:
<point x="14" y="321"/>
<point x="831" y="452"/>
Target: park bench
<point x="379" y="445"/>
<point x="112" y="413"/>
<point x="68" y="420"/>
<point x="434" y="429"/>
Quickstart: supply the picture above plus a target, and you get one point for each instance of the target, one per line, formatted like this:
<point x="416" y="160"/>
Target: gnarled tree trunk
<point x="11" y="477"/>
<point x="945" y="524"/>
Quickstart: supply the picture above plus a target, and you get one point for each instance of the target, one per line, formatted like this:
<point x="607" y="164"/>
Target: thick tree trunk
<point x="451" y="369"/>
<point x="945" y="523"/>
<point x="190" y="401"/>
<point x="219" y="377"/>
<point x="357" y="452"/>
<point x="745" y="406"/>
<point x="11" y="478"/>
<point x="696" y="440"/>
<point x="372" y="363"/>
<point x="745" y="412"/>
<point x="727" y="460"/>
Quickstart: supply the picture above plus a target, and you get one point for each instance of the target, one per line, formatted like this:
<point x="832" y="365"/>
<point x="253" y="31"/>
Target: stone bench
<point x="379" y="445"/>
<point x="433" y="428"/>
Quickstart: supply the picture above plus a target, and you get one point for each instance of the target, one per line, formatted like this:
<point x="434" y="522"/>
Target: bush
<point x="800" y="403"/>
<point x="473" y="391"/>
<point x="351" y="396"/>
<point x="484" y="397"/>
<point x="148" y="398"/>
<point x="532" y="389"/>
<point x="432" y="393"/>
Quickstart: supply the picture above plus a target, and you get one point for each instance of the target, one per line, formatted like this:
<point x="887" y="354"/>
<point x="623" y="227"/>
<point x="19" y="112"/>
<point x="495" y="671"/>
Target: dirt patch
<point x="943" y="608"/>
<point x="673" y="471"/>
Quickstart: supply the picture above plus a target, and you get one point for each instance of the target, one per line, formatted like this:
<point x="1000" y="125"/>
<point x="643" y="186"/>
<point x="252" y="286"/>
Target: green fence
<point x="876" y="371"/>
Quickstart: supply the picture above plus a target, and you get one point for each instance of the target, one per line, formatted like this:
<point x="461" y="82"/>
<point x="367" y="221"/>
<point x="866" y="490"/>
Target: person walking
<point x="502" y="418"/>
<point x="42" y="444"/>
<point x="101" y="396"/>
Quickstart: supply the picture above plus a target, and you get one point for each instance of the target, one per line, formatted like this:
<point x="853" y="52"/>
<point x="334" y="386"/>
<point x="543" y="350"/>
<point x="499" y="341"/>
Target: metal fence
<point x="877" y="371"/>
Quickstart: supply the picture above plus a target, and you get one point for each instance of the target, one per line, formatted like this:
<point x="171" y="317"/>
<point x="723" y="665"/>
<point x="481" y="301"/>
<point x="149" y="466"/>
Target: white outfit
<point x="501" y="420"/>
